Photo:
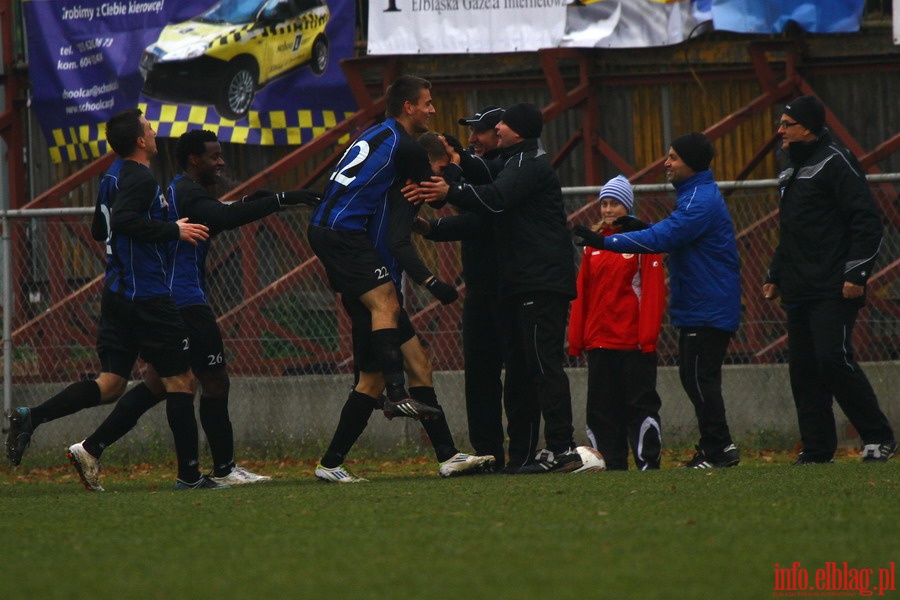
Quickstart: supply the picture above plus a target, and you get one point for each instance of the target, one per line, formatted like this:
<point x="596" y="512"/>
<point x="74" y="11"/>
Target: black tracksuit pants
<point x="701" y="353"/>
<point x="820" y="352"/>
<point x="537" y="385"/>
<point x="483" y="351"/>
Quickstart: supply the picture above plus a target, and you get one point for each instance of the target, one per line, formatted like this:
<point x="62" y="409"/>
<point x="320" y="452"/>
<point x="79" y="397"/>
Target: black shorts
<point x="207" y="349"/>
<point x="364" y="357"/>
<point x="151" y="329"/>
<point x="353" y="266"/>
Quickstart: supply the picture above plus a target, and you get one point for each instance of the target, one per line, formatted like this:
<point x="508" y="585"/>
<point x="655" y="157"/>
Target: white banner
<point x="485" y="26"/>
<point x="897" y="22"/>
<point x="634" y="23"/>
<point x="464" y="26"/>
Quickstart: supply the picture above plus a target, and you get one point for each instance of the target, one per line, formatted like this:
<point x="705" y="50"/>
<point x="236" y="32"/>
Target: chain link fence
<point x="283" y="326"/>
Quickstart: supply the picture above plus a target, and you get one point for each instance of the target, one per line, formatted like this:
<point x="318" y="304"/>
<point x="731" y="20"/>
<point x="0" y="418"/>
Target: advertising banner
<point x="266" y="71"/>
<point x="254" y="71"/>
<point x="464" y="26"/>
<point x="487" y="26"/>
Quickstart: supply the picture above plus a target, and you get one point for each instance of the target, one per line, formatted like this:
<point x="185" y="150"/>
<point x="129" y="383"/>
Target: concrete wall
<point x="298" y="414"/>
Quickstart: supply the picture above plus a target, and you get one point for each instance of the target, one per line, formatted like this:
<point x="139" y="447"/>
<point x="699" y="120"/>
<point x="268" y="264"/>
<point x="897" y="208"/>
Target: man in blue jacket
<point x="704" y="277"/>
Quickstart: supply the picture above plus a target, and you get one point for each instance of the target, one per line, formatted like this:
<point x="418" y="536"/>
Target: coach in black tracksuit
<point x="536" y="263"/>
<point x="482" y="337"/>
<point x="830" y="235"/>
<point x="482" y="319"/>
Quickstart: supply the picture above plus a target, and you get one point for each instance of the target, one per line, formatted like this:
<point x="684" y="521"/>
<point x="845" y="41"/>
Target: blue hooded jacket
<point x="704" y="271"/>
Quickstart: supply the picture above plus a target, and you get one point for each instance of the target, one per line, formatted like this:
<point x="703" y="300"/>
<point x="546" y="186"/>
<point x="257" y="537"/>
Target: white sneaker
<point x="465" y="464"/>
<point x="879" y="452"/>
<point x="339" y="474"/>
<point x="241" y="476"/>
<point x="87" y="466"/>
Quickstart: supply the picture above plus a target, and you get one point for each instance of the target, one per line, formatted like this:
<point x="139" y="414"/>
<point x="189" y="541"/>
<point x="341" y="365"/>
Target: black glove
<point x="444" y="292"/>
<point x="257" y="195"/>
<point x="295" y="197"/>
<point x="583" y="236"/>
<point x="630" y="223"/>
<point x="454" y="143"/>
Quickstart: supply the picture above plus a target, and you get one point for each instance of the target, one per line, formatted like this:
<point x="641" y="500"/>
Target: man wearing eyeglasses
<point x="830" y="235"/>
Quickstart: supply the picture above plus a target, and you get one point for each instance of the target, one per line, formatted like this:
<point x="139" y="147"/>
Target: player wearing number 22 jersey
<point x="353" y="208"/>
<point x="382" y="156"/>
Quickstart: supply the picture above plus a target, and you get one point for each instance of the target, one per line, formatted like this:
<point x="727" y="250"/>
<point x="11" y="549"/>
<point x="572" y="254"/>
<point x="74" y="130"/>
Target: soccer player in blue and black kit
<point x="383" y="156"/>
<point x="390" y="232"/>
<point x="200" y="156"/>
<point x="138" y="316"/>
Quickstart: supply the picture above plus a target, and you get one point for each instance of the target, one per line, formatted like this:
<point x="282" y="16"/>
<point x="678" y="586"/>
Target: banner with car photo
<point x="255" y="71"/>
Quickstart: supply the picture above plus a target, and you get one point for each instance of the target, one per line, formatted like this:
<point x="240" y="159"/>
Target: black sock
<point x="77" y="396"/>
<point x="386" y="345"/>
<point x="219" y="433"/>
<point x="437" y="429"/>
<point x="183" y="423"/>
<point x="354" y="418"/>
<point x="130" y="407"/>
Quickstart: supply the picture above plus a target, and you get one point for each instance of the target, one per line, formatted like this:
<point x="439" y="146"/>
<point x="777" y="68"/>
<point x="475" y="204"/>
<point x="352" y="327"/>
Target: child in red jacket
<point x="616" y="319"/>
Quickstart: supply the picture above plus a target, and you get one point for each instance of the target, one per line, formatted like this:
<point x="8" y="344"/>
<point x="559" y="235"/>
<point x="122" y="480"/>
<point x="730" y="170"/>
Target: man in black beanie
<point x="808" y="112"/>
<point x="482" y="317"/>
<point x="537" y="280"/>
<point x="704" y="279"/>
<point x="830" y="235"/>
<point x="695" y="151"/>
<point x="523" y="119"/>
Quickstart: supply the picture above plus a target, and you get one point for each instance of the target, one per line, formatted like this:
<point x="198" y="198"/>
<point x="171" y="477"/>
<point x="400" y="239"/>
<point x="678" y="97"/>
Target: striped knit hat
<point x="619" y="189"/>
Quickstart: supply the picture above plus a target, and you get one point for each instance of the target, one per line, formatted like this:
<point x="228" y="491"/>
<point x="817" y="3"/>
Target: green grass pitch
<point x="410" y="534"/>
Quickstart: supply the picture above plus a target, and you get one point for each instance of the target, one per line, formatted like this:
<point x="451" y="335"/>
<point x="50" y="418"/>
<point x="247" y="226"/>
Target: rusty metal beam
<point x="583" y="95"/>
<point x="590" y="127"/>
<point x="270" y="291"/>
<point x="883" y="150"/>
<point x="757" y="158"/>
<point x="563" y="100"/>
<point x="567" y="148"/>
<point x="52" y="197"/>
<point x="80" y="295"/>
<point x="615" y="158"/>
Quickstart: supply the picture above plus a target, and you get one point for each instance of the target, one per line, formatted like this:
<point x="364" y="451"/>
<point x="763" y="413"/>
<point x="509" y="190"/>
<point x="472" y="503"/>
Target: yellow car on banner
<point x="224" y="55"/>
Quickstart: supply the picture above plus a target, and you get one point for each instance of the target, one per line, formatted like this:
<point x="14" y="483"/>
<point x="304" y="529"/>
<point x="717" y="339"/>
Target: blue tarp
<point x="772" y="16"/>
